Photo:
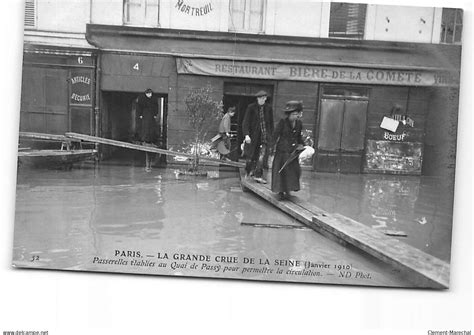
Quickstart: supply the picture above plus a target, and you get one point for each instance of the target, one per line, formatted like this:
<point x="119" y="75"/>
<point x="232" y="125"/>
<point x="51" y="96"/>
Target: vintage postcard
<point x="302" y="141"/>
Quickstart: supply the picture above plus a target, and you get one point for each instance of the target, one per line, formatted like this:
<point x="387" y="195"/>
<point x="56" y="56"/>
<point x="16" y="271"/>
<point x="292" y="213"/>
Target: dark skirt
<point x="289" y="179"/>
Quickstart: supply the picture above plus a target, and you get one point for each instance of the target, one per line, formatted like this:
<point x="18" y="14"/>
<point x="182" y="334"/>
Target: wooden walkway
<point x="81" y="153"/>
<point x="42" y="136"/>
<point x="149" y="148"/>
<point x="66" y="142"/>
<point x="422" y="269"/>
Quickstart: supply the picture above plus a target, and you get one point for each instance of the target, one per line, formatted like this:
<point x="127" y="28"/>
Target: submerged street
<point x="417" y="210"/>
<point x="95" y="218"/>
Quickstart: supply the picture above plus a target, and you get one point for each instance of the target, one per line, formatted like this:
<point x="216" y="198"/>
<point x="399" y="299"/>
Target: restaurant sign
<point x="274" y="71"/>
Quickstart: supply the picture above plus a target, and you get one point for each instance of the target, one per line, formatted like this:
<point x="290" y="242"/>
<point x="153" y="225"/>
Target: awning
<point x="275" y="49"/>
<point x="75" y="42"/>
<point x="41" y="50"/>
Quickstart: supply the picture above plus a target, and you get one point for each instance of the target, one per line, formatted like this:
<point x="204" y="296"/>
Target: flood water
<point x="417" y="210"/>
<point x="105" y="217"/>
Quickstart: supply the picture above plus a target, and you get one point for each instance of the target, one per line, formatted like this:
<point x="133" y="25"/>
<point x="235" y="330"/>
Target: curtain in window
<point x="255" y="15"/>
<point x="237" y="8"/>
<point x="151" y="13"/>
<point x="246" y="15"/>
<point x="141" y="12"/>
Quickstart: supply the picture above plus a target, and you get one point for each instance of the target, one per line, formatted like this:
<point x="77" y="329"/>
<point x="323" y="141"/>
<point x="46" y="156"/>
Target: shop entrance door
<point x="120" y="122"/>
<point x="341" y="135"/>
<point x="161" y="120"/>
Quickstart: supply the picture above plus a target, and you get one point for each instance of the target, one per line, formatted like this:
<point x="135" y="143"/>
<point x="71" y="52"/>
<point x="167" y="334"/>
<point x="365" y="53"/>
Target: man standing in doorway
<point x="257" y="128"/>
<point x="148" y="125"/>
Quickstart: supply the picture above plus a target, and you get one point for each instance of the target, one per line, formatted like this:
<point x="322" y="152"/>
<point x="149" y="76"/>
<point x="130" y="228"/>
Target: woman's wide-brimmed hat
<point x="293" y="106"/>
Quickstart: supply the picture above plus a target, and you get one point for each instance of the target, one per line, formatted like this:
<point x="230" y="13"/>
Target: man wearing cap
<point x="257" y="128"/>
<point x="286" y="169"/>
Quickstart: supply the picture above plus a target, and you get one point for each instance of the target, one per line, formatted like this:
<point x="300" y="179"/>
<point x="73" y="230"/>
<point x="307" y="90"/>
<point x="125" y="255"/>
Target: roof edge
<point x="258" y="38"/>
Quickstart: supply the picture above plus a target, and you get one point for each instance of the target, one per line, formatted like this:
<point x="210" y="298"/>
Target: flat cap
<point x="261" y="94"/>
<point x="293" y="106"/>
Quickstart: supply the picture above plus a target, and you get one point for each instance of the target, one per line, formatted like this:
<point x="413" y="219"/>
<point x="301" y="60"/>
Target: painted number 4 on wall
<point x="136" y="67"/>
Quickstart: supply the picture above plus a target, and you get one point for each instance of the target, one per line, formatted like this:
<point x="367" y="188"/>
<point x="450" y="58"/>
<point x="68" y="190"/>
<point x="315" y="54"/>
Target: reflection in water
<point x="388" y="198"/>
<point x="68" y="218"/>
<point x="416" y="210"/>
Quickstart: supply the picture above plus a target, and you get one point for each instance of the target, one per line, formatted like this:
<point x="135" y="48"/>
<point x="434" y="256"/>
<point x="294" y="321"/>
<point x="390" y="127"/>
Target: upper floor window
<point x="30" y="14"/>
<point x="451" y="25"/>
<point x="247" y="15"/>
<point x="141" y="12"/>
<point x="347" y="20"/>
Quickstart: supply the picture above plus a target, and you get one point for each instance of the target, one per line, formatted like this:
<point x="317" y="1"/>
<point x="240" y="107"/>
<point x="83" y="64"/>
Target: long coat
<point x="148" y="127"/>
<point x="251" y="126"/>
<point x="224" y="125"/>
<point x="224" y="129"/>
<point x="287" y="139"/>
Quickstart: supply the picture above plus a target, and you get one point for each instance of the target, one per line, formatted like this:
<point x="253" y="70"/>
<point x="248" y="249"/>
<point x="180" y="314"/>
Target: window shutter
<point x="30" y="14"/>
<point x="347" y="20"/>
<point x="451" y="26"/>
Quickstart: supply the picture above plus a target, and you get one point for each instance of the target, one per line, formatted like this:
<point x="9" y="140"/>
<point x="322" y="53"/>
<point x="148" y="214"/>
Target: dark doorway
<point x="241" y="103"/>
<point x="241" y="95"/>
<point x="120" y="122"/>
<point x="341" y="130"/>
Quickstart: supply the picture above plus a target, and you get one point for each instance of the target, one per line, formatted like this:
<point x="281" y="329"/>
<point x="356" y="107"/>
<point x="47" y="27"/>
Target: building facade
<point x="350" y="64"/>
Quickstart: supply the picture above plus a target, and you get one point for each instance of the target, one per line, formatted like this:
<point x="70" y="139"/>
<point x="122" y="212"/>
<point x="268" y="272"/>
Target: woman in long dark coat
<point x="288" y="138"/>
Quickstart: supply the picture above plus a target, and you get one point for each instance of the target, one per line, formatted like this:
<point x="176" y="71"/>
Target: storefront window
<point x="345" y="91"/>
<point x="30" y="14"/>
<point x="246" y="15"/>
<point x="451" y="26"/>
<point x="141" y="12"/>
<point x="347" y="20"/>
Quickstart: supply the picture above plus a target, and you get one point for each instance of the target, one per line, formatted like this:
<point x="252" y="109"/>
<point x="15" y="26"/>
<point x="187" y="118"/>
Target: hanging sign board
<point x="80" y="87"/>
<point x="389" y="124"/>
<point x="274" y="71"/>
<point x="394" y="157"/>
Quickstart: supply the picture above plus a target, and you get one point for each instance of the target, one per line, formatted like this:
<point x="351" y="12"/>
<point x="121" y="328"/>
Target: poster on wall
<point x="146" y="189"/>
<point x="398" y="157"/>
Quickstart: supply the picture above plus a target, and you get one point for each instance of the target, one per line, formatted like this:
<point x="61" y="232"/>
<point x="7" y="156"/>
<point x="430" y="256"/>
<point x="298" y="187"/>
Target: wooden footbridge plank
<point x="390" y="250"/>
<point x="57" y="153"/>
<point x="422" y="269"/>
<point x="147" y="148"/>
<point x="42" y="136"/>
